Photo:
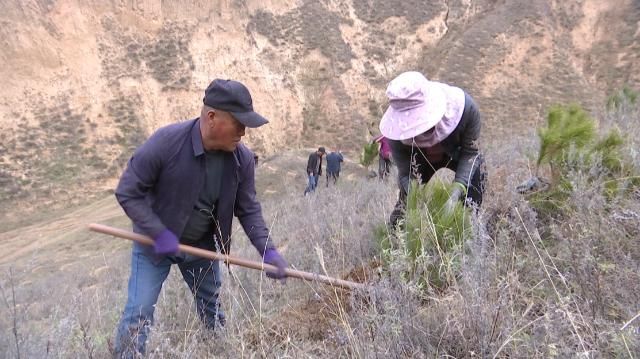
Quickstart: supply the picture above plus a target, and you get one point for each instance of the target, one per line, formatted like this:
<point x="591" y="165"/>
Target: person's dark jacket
<point x="163" y="179"/>
<point x="314" y="164"/>
<point x="461" y="146"/>
<point x="333" y="162"/>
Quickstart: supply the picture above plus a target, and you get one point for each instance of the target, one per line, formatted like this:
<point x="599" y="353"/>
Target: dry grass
<point x="528" y="287"/>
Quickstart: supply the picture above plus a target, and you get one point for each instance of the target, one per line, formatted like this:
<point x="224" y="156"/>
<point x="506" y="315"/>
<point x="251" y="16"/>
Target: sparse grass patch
<point x="377" y="11"/>
<point x="309" y="26"/>
<point x="627" y="97"/>
<point x="49" y="154"/>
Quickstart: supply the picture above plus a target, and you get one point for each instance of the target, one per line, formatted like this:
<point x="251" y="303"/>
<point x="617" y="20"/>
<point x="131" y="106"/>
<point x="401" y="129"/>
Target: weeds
<point x="12" y="307"/>
<point x="517" y="286"/>
<point x="627" y="97"/>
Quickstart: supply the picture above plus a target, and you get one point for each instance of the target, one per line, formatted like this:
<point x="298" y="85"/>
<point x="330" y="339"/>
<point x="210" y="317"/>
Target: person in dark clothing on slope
<point x="184" y="185"/>
<point x="334" y="159"/>
<point x="314" y="169"/>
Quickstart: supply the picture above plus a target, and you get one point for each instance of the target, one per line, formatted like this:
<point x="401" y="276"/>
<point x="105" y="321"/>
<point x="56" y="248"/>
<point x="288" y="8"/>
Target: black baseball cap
<point x="233" y="97"/>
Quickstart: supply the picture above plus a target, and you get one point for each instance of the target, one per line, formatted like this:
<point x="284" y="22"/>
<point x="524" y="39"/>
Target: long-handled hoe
<point x="292" y="273"/>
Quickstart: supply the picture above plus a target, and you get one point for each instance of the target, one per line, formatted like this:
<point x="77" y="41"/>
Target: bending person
<point x="431" y="125"/>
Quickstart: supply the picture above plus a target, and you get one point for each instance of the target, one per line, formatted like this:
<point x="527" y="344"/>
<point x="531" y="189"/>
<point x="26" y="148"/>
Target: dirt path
<point x="23" y="241"/>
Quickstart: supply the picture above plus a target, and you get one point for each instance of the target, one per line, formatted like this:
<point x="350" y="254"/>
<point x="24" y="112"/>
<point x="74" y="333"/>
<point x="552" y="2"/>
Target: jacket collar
<point x="235" y="156"/>
<point x="196" y="138"/>
<point x="198" y="147"/>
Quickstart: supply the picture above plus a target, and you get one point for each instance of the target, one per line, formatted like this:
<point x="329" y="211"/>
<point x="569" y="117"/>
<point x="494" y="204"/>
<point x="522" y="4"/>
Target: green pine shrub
<point x="570" y="144"/>
<point x="369" y="153"/>
<point x="430" y="240"/>
<point x="567" y="127"/>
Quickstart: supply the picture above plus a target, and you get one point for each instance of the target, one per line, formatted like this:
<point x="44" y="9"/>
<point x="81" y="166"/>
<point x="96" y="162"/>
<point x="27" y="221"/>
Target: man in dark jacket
<point x="334" y="159"/>
<point x="314" y="169"/>
<point x="184" y="185"/>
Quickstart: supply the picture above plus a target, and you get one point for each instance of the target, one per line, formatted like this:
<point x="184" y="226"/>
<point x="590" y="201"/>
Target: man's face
<point x="225" y="132"/>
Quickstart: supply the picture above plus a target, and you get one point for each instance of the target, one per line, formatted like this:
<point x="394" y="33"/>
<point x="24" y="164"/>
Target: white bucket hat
<point x="415" y="106"/>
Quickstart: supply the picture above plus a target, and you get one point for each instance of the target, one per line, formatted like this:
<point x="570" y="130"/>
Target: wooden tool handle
<point x="117" y="232"/>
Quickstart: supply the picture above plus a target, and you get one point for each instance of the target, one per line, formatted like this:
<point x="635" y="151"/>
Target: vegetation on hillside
<point x="573" y="146"/>
<point x="308" y="27"/>
<point x="551" y="274"/>
<point x="431" y="240"/>
<point x="514" y="284"/>
<point x="369" y="153"/>
<point x="625" y="97"/>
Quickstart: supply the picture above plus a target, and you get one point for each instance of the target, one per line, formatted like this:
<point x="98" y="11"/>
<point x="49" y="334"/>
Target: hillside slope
<point x="85" y="81"/>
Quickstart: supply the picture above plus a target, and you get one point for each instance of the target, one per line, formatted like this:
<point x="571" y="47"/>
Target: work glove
<point x="456" y="194"/>
<point x="165" y="243"/>
<point x="271" y="256"/>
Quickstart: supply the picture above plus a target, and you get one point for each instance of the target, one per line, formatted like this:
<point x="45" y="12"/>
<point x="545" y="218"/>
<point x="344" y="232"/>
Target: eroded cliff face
<point x="86" y="81"/>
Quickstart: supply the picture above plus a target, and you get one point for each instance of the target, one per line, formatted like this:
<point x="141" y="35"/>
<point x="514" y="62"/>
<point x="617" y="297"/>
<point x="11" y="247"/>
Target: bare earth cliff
<point x="84" y="82"/>
<point x="553" y="274"/>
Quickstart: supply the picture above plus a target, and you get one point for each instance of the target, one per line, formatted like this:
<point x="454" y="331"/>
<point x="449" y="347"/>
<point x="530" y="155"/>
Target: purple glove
<point x="271" y="256"/>
<point x="165" y="243"/>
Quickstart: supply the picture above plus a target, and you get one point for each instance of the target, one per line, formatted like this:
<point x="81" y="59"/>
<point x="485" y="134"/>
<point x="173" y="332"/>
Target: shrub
<point x="567" y="127"/>
<point x="369" y="153"/>
<point x="570" y="146"/>
<point x="430" y="239"/>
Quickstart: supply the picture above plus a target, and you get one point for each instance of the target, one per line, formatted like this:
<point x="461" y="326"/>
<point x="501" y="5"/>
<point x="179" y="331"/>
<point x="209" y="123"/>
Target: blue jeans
<point x="147" y="275"/>
<point x="311" y="186"/>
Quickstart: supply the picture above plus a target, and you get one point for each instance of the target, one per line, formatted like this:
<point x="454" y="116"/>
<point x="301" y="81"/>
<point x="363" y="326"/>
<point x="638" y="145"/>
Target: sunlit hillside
<point x="551" y="273"/>
<point x="86" y="81"/>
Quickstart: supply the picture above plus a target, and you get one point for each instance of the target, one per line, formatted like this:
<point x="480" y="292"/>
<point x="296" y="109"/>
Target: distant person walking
<point x="184" y="185"/>
<point x="334" y="160"/>
<point x="314" y="169"/>
<point x="432" y="125"/>
<point x="384" y="156"/>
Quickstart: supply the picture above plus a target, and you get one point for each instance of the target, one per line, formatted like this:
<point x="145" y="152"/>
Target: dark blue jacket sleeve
<point x="248" y="210"/>
<point x="402" y="155"/>
<point x="469" y="150"/>
<point x="135" y="183"/>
